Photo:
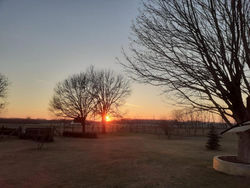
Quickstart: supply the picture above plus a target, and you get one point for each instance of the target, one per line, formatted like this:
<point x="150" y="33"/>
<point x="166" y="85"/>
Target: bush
<point x="79" y="134"/>
<point x="213" y="139"/>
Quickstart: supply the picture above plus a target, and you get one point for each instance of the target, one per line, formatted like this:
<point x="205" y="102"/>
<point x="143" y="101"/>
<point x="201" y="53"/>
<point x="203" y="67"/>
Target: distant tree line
<point x="32" y="121"/>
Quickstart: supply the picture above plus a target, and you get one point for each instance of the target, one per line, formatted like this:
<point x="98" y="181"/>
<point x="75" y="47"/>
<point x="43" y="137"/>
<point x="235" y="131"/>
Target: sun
<point x="107" y="118"/>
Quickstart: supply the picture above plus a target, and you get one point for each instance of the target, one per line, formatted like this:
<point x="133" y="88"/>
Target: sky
<point x="45" y="41"/>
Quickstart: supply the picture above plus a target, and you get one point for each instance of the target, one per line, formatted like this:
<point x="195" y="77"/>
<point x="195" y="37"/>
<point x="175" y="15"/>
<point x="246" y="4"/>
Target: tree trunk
<point x="83" y="126"/>
<point x="244" y="146"/>
<point x="103" y="124"/>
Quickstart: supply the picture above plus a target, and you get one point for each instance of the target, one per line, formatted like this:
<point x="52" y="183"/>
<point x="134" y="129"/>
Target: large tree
<point x="109" y="91"/>
<point x="3" y="90"/>
<point x="200" y="50"/>
<point x="72" y="98"/>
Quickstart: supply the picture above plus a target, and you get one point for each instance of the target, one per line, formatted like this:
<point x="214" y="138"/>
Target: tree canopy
<point x="72" y="98"/>
<point x="198" y="50"/>
<point x="93" y="92"/>
<point x="109" y="91"/>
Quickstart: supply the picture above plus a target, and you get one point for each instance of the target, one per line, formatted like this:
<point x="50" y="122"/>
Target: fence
<point x="174" y="128"/>
<point x="178" y="129"/>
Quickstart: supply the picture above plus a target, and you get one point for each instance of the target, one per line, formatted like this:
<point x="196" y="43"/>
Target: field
<point x="118" y="160"/>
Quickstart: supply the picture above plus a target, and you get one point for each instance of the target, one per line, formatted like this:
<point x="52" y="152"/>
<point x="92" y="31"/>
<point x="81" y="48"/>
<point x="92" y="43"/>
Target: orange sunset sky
<point x="43" y="42"/>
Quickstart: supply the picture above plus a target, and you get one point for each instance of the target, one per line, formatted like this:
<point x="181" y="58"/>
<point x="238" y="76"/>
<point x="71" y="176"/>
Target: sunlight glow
<point x="107" y="118"/>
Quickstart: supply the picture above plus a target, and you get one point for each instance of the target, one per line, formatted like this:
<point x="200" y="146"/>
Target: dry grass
<point x="114" y="161"/>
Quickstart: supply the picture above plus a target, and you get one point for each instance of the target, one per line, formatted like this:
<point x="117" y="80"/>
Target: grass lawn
<point x="114" y="161"/>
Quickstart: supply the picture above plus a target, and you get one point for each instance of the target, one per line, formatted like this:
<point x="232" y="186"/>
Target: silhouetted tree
<point x="200" y="50"/>
<point x="192" y="115"/>
<point x="3" y="90"/>
<point x="72" y="98"/>
<point x="109" y="91"/>
<point x="178" y="115"/>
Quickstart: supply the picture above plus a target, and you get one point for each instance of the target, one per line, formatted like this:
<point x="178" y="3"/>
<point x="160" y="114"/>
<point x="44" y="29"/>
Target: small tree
<point x="109" y="91"/>
<point x="3" y="90"/>
<point x="213" y="139"/>
<point x="72" y="98"/>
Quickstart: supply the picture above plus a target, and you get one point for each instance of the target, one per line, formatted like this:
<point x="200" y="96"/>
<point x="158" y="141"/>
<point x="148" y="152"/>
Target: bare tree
<point x="199" y="50"/>
<point x="178" y="115"/>
<point x="3" y="90"/>
<point x="72" y="98"/>
<point x="109" y="91"/>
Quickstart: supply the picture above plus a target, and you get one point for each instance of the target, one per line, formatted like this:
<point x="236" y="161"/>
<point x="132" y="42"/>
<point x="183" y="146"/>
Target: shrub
<point x="79" y="134"/>
<point x="213" y="139"/>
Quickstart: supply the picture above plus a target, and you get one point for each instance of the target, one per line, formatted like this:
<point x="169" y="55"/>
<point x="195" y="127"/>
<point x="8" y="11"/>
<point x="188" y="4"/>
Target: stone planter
<point x="230" y="165"/>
